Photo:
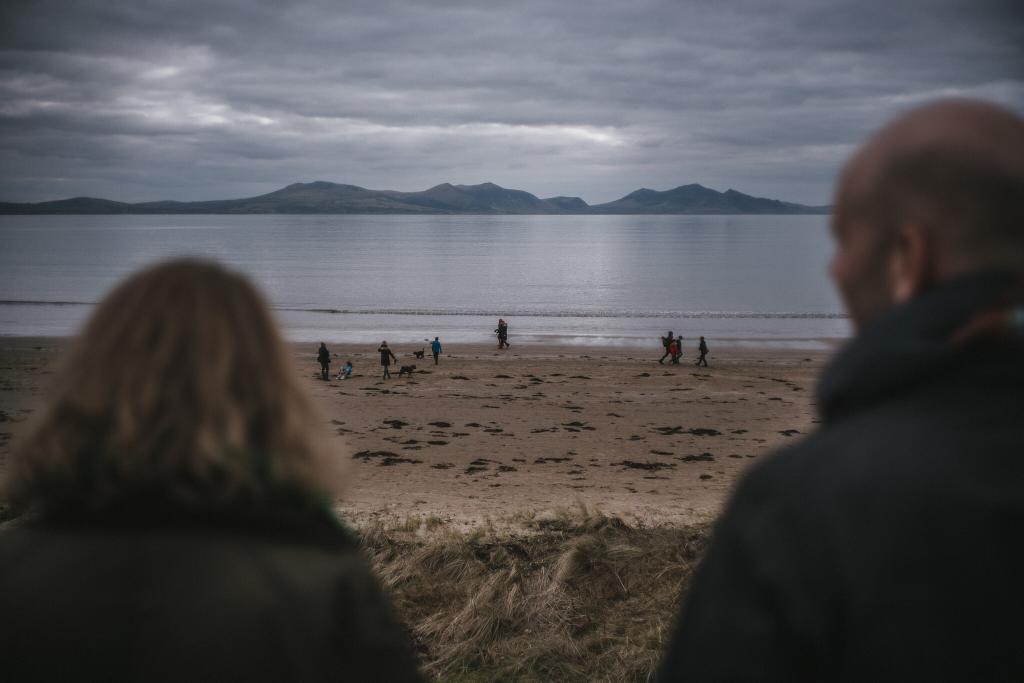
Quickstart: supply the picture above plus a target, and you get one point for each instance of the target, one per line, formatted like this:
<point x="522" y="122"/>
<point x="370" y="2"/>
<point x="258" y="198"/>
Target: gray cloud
<point x="197" y="100"/>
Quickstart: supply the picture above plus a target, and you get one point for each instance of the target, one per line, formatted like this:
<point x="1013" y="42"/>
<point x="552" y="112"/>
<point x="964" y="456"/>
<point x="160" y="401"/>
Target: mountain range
<point x="486" y="198"/>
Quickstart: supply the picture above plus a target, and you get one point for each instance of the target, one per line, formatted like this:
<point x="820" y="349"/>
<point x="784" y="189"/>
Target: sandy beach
<point x="536" y="513"/>
<point x="489" y="435"/>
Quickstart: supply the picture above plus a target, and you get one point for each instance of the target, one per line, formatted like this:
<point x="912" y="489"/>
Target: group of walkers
<point x="674" y="350"/>
<point x="387" y="356"/>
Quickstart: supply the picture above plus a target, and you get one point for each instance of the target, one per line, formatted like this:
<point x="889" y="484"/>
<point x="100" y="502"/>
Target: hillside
<point x="322" y="197"/>
<point x="697" y="199"/>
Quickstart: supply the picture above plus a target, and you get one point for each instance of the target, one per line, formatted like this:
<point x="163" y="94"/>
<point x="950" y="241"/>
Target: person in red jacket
<point x="666" y="343"/>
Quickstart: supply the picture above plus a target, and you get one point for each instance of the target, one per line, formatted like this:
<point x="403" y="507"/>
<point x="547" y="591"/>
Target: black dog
<point x="418" y="354"/>
<point x="406" y="370"/>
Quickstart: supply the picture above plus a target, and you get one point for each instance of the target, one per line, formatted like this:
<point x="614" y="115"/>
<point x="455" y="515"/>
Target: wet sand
<point x="487" y="434"/>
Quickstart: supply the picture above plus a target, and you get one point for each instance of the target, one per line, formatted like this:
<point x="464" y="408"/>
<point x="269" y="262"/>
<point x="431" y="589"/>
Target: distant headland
<point x="322" y="197"/>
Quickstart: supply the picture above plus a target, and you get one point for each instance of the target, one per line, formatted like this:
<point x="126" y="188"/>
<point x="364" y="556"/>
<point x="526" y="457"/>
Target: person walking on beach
<point x="702" y="348"/>
<point x="502" y="333"/>
<point x="385" y="359"/>
<point x="888" y="545"/>
<point x="435" y="348"/>
<point x="673" y="351"/>
<point x="666" y="341"/>
<point x="324" y="357"/>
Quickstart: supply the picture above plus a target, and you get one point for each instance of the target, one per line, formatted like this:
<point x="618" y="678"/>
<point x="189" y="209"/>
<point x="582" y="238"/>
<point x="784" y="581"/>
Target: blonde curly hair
<point x="177" y="392"/>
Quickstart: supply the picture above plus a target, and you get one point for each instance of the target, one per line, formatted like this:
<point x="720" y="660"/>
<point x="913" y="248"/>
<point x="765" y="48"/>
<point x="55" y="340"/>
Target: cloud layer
<point x="215" y="99"/>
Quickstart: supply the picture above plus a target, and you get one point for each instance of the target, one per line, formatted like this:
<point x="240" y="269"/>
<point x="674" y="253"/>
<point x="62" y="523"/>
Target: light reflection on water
<point x="588" y="279"/>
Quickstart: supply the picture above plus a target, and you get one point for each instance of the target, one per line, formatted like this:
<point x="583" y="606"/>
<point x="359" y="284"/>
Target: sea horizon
<point x="574" y="280"/>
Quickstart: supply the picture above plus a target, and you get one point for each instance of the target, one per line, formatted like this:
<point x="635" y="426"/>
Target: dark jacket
<point x="199" y="600"/>
<point x="890" y="544"/>
<point x="386" y="355"/>
<point x="324" y="356"/>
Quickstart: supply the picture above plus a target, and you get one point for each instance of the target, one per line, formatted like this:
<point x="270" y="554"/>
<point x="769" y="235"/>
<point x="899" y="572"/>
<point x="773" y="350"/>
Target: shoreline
<point x="632" y="346"/>
<point x="490" y="435"/>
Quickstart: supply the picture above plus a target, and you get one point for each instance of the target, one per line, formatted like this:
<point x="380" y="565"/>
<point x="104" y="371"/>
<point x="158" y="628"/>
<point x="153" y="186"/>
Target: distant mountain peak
<point x="697" y="199"/>
<point x="564" y="198"/>
<point x="480" y="186"/>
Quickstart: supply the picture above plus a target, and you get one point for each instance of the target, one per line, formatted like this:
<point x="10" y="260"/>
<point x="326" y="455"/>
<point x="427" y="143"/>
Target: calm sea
<point x="739" y="280"/>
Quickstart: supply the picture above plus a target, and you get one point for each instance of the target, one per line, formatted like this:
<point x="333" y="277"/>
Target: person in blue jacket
<point x="435" y="348"/>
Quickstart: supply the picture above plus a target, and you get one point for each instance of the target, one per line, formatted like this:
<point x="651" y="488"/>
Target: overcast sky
<point x="154" y="99"/>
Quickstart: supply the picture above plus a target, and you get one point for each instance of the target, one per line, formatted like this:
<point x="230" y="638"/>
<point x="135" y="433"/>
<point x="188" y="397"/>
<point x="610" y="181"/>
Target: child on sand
<point x="346" y="371"/>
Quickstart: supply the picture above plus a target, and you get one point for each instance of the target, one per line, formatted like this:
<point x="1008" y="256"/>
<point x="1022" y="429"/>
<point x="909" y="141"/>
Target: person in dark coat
<point x="888" y="545"/>
<point x="666" y="341"/>
<point x="323" y="356"/>
<point x="502" y="332"/>
<point x="385" y="359"/>
<point x="702" y="349"/>
<point x="174" y="506"/>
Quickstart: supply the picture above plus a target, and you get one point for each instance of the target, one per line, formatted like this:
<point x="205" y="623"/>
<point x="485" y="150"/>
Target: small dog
<point x="406" y="370"/>
<point x="418" y="354"/>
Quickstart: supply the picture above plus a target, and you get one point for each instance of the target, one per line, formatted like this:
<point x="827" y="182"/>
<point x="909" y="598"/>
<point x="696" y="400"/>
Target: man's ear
<point x="910" y="264"/>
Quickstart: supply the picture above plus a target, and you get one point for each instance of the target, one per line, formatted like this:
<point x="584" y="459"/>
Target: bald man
<point x="889" y="545"/>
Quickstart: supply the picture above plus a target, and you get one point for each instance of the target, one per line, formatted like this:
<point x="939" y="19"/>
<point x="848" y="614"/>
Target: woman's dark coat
<point x="193" y="600"/>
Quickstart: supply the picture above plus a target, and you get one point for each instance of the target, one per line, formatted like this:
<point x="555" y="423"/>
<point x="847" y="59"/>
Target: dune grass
<point x="568" y="595"/>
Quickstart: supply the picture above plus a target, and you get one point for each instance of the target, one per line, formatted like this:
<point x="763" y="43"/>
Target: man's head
<point x="937" y="193"/>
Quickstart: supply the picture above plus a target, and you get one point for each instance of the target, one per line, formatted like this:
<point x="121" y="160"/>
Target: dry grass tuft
<point x="571" y="595"/>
